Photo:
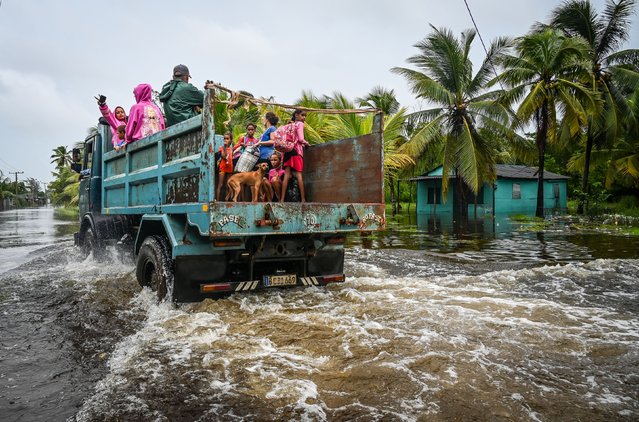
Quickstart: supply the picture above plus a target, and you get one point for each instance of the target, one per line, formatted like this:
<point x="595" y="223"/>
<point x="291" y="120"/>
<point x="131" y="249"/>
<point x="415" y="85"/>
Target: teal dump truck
<point x="156" y="199"/>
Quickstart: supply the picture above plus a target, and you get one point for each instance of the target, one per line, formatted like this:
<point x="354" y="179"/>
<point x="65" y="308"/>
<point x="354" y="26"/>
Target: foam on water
<point x="396" y="347"/>
<point x="447" y="336"/>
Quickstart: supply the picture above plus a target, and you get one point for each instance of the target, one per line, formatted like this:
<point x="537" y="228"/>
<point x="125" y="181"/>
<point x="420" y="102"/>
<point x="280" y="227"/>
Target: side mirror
<point x="85" y="173"/>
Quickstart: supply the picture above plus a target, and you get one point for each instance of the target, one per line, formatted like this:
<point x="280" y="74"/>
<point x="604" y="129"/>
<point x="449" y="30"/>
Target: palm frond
<point x="617" y="16"/>
<point x="624" y="57"/>
<point x="425" y="87"/>
<point x="429" y="132"/>
<point x="625" y="77"/>
<point x="578" y="18"/>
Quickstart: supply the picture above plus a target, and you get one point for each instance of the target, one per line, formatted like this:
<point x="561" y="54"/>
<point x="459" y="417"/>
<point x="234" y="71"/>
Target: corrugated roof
<point x="510" y="171"/>
<point x="505" y="171"/>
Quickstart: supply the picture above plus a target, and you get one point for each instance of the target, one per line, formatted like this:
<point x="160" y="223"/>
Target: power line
<point x="492" y="65"/>
<point x="9" y="166"/>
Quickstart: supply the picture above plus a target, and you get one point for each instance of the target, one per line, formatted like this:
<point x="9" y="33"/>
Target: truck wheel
<point x="90" y="244"/>
<point x="154" y="267"/>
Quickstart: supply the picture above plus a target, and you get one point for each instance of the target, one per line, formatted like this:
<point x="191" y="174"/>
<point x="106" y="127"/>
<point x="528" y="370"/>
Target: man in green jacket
<point x="180" y="99"/>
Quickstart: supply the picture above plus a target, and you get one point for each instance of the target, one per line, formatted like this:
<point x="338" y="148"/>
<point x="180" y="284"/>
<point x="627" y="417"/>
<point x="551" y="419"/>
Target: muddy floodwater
<point x="432" y="327"/>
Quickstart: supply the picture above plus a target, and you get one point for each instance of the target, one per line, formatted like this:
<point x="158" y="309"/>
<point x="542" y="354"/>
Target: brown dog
<point x="236" y="183"/>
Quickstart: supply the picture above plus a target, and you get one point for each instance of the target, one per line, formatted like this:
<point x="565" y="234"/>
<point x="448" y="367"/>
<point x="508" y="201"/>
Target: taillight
<point x="334" y="278"/>
<point x="220" y="243"/>
<point x="217" y="287"/>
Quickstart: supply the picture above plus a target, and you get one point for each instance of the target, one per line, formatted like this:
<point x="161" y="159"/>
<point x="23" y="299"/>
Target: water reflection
<point x="499" y="239"/>
<point x="24" y="231"/>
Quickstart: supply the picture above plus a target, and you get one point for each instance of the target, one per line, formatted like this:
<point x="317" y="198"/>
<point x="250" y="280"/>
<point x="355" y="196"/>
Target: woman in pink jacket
<point x="115" y="119"/>
<point x="145" y="118"/>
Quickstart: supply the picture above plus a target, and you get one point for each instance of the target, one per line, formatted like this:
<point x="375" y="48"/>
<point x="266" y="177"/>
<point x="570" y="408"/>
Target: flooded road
<point x="515" y="326"/>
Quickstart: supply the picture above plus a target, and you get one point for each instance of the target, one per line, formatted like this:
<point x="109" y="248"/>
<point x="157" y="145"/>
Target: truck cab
<point x="157" y="198"/>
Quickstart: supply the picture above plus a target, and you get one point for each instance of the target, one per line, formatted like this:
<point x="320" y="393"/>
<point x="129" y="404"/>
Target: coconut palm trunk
<point x="540" y="140"/>
<point x="585" y="185"/>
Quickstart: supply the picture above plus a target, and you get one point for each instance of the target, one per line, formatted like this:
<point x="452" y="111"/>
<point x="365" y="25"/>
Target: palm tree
<point x="61" y="157"/>
<point x="624" y="166"/>
<point x="542" y="77"/>
<point x="342" y="126"/>
<point x="609" y="67"/>
<point x="445" y="78"/>
<point x="5" y="187"/>
<point x="33" y="188"/>
<point x="385" y="100"/>
<point x="382" y="99"/>
<point x="65" y="188"/>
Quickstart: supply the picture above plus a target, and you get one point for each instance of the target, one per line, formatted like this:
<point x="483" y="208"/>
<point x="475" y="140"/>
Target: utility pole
<point x="16" y="173"/>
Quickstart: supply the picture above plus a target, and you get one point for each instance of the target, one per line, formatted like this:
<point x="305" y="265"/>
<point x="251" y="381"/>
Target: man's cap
<point x="181" y="70"/>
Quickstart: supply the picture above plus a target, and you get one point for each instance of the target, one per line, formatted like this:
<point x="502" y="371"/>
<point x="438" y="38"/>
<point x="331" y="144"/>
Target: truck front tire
<point x="154" y="267"/>
<point x="90" y="244"/>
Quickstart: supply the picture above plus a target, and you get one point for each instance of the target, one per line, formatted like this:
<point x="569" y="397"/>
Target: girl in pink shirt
<point x="273" y="184"/>
<point x="115" y="119"/>
<point x="294" y="160"/>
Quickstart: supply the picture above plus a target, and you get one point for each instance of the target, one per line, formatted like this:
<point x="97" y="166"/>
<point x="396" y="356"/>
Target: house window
<point x="434" y="195"/>
<point x="555" y="189"/>
<point x="516" y="191"/>
<point x="480" y="197"/>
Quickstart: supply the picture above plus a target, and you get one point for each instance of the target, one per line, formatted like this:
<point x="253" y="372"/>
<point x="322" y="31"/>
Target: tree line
<point x="20" y="194"/>
<point x="562" y="97"/>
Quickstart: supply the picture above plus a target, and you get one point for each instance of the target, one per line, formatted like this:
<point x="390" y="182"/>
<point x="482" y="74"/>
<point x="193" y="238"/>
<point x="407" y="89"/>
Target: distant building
<point x="514" y="192"/>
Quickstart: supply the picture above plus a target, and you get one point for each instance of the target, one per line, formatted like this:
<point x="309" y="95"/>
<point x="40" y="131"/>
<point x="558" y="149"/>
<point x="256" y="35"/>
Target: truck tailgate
<point x="243" y="219"/>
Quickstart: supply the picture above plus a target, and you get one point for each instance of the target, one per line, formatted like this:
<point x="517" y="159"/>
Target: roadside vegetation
<point x="20" y="194"/>
<point x="563" y="97"/>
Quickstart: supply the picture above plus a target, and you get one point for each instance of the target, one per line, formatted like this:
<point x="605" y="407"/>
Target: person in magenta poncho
<point x="145" y="118"/>
<point x="115" y="119"/>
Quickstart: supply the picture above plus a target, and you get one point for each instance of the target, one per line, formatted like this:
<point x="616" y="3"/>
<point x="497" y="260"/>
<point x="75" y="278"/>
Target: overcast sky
<point x="56" y="55"/>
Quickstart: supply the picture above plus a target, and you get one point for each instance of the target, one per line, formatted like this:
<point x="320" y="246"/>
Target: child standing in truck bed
<point x="226" y="163"/>
<point x="246" y="140"/>
<point x="294" y="160"/>
<point x="273" y="183"/>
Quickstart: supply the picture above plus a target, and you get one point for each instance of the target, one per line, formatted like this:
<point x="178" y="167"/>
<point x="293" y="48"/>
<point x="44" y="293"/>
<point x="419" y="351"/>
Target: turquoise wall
<point x="503" y="197"/>
<point x="422" y="198"/>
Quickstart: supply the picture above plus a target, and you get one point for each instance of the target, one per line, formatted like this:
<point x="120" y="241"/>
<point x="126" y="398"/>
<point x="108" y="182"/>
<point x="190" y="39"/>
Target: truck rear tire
<point x="154" y="267"/>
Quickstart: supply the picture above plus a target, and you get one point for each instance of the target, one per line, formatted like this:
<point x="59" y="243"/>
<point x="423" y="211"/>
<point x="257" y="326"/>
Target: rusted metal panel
<point x="183" y="145"/>
<point x="345" y="171"/>
<point x="183" y="189"/>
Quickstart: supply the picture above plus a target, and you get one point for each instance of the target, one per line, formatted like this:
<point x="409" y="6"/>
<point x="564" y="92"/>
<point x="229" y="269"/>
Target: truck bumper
<point x="246" y="286"/>
<point x="215" y="276"/>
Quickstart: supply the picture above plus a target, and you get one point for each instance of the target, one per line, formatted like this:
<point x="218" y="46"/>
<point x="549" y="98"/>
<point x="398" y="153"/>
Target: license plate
<point x="280" y="280"/>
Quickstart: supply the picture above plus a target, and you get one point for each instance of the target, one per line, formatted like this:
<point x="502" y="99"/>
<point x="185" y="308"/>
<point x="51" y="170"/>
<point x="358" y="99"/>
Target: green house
<point x="514" y="192"/>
